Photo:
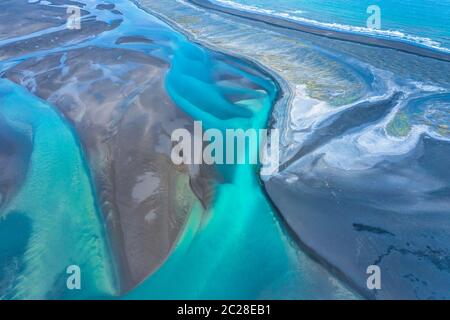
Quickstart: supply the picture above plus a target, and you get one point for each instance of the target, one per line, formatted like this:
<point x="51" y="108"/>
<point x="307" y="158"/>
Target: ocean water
<point x="424" y="22"/>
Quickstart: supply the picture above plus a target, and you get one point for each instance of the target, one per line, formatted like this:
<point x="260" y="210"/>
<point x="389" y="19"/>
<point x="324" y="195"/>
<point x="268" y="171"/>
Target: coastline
<point x="332" y="34"/>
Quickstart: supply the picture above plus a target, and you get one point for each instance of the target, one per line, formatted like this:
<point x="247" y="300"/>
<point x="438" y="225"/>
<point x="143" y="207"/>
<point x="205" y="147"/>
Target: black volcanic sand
<point x="116" y="100"/>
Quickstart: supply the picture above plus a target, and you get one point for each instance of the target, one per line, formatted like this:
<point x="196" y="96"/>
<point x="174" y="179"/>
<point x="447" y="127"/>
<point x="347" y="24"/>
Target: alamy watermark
<point x="74" y="18"/>
<point x="234" y="146"/>
<point x="374" y="279"/>
<point x="374" y="20"/>
<point x="74" y="279"/>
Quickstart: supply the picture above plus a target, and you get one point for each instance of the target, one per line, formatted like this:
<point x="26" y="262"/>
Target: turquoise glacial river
<point x="53" y="221"/>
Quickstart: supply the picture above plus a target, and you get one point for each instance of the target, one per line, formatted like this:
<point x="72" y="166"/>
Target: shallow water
<point x="53" y="221"/>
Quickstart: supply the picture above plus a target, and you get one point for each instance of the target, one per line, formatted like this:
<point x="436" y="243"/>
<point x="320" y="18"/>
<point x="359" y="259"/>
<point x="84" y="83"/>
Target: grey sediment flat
<point x="17" y="24"/>
<point x="340" y="35"/>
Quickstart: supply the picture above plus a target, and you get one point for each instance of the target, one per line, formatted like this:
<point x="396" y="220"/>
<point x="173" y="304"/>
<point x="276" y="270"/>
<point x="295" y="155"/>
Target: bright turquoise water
<point x="424" y="22"/>
<point x="53" y="221"/>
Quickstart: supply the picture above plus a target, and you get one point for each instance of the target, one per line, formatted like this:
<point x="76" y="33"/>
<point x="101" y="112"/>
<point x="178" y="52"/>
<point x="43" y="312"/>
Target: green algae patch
<point x="399" y="126"/>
